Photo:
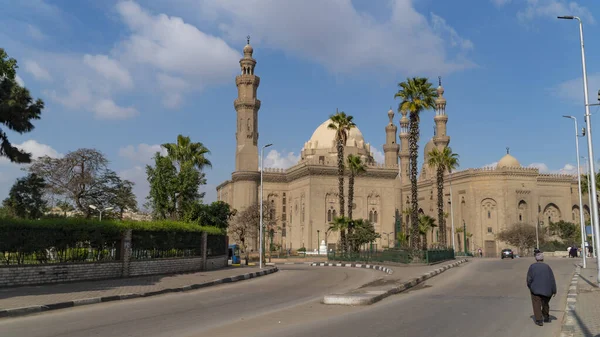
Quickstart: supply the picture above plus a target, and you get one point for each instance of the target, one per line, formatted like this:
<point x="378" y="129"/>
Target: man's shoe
<point x="540" y="323"/>
<point x="547" y="320"/>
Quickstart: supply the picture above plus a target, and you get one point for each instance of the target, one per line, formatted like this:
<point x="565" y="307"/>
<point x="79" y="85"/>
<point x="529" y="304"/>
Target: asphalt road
<point x="481" y="298"/>
<point x="194" y="312"/>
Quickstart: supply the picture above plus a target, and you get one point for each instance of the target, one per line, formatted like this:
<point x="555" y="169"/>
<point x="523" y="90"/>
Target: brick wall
<point x="55" y="273"/>
<point x="164" y="266"/>
<point x="216" y="262"/>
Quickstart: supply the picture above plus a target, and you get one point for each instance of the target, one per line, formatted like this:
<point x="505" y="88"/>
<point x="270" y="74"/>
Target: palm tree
<point x="425" y="223"/>
<point x="356" y="167"/>
<point x="417" y="94"/>
<point x="442" y="160"/>
<point x="184" y="151"/>
<point x="339" y="224"/>
<point x="341" y="123"/>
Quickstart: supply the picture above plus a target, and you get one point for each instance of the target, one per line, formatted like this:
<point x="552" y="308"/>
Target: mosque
<point x="304" y="196"/>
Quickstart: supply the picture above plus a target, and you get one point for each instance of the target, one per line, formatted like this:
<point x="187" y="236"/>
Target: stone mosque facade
<point x="305" y="196"/>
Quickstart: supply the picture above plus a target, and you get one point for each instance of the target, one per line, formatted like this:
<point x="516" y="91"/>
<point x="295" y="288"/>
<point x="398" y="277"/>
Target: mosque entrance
<point x="490" y="248"/>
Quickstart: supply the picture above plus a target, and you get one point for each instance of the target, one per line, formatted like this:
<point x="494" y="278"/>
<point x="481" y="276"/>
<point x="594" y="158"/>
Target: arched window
<point x="489" y="215"/>
<point x="520" y="217"/>
<point x="375" y="216"/>
<point x="334" y="214"/>
<point x="329" y="216"/>
<point x="371" y="216"/>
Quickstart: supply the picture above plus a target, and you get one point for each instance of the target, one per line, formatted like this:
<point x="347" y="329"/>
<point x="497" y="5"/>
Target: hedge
<point x="71" y="224"/>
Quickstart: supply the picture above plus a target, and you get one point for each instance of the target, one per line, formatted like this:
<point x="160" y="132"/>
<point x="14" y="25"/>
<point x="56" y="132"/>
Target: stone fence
<point x="123" y="265"/>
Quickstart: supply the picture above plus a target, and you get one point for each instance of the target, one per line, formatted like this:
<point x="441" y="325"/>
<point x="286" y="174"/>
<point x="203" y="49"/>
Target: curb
<point x="287" y="263"/>
<point x="353" y="265"/>
<point x="568" y="323"/>
<point x="14" y="312"/>
<point x="371" y="297"/>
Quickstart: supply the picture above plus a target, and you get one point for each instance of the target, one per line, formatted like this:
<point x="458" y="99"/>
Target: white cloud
<point x="169" y="44"/>
<point x="19" y="80"/>
<point x="37" y="71"/>
<point x="173" y="88"/>
<point x="543" y="168"/>
<point x="36" y="149"/>
<point x="143" y="153"/>
<point x="572" y="90"/>
<point x="109" y="69"/>
<point x="274" y="159"/>
<point x="567" y="169"/>
<point x="550" y="9"/>
<point x="492" y="165"/>
<point x="107" y="109"/>
<point x="35" y="33"/>
<point x="379" y="156"/>
<point x="355" y="41"/>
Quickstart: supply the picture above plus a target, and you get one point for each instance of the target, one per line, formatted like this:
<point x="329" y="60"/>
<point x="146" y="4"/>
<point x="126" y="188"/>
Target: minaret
<point x="246" y="176"/>
<point x="390" y="148"/>
<point x="404" y="154"/>
<point x="440" y="139"/>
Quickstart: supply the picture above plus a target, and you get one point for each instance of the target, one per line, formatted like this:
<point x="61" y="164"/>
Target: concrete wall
<point x="164" y="266"/>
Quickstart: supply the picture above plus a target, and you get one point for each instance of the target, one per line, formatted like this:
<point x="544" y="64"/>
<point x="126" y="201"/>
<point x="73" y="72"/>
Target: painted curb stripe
<point x="14" y="312"/>
<point x="569" y="321"/>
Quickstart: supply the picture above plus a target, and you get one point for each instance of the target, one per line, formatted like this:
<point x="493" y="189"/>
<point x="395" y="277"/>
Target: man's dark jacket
<point x="540" y="280"/>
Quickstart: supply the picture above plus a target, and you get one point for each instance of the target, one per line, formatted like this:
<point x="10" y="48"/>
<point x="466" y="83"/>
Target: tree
<point x="356" y="167"/>
<point x="341" y="124"/>
<point x="184" y="151"/>
<point x="363" y="233"/>
<point x="26" y="198"/>
<point x="520" y="235"/>
<point x="172" y="193"/>
<point x="584" y="183"/>
<point x="83" y="177"/>
<point x="567" y="231"/>
<point x="65" y="207"/>
<point x="425" y="224"/>
<point x="17" y="109"/>
<point x="123" y="197"/>
<point x="245" y="226"/>
<point x="417" y="95"/>
<point x="217" y="214"/>
<point x="442" y="160"/>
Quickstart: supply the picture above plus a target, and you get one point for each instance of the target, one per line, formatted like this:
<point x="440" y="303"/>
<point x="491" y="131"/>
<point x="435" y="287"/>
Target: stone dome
<point x="322" y="143"/>
<point x="324" y="137"/>
<point x="428" y="148"/>
<point x="248" y="49"/>
<point x="508" y="161"/>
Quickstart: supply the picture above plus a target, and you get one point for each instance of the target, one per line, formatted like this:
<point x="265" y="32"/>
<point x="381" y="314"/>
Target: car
<point x="506" y="253"/>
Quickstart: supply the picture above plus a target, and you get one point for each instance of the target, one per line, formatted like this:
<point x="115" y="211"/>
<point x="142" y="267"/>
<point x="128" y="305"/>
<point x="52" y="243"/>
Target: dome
<point x="508" y="161"/>
<point x="248" y="49"/>
<point x="324" y="138"/>
<point x="428" y="148"/>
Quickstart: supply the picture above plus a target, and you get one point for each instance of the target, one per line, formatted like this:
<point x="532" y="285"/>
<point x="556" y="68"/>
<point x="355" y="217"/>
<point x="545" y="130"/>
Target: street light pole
<point x="318" y="243"/>
<point x="465" y="235"/>
<point x="260" y="225"/>
<point x="588" y="121"/>
<point x="591" y="221"/>
<point x="581" y="219"/>
<point x="451" y="210"/>
<point x="537" y="237"/>
<point x="100" y="210"/>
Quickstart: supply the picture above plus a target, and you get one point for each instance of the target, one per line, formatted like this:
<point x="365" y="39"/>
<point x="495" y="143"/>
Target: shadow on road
<point x="586" y="331"/>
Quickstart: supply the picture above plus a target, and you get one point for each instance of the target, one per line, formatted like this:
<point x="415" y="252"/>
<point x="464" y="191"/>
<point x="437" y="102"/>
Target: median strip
<point x="367" y="297"/>
<point x="14" y="312"/>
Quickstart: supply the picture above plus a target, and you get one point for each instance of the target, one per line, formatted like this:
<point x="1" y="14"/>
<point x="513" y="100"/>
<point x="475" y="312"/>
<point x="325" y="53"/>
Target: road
<point x="481" y="298"/>
<point x="191" y="312"/>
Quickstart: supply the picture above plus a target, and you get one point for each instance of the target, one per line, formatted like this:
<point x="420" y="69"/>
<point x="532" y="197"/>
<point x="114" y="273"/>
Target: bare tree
<point x="245" y="227"/>
<point x="520" y="235"/>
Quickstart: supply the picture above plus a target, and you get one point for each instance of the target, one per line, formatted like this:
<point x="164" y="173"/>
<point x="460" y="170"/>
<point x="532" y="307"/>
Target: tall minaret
<point x="390" y="148"/>
<point x="404" y="154"/>
<point x="246" y="176"/>
<point x="441" y="140"/>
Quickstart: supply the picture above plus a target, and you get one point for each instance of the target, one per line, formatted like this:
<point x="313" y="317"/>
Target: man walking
<point x="542" y="285"/>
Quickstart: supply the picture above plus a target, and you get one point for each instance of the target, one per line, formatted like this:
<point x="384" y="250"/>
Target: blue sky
<point x="125" y="76"/>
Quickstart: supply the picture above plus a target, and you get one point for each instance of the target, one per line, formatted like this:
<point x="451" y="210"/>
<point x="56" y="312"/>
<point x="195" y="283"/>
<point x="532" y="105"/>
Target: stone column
<point x="204" y="250"/>
<point x="125" y="252"/>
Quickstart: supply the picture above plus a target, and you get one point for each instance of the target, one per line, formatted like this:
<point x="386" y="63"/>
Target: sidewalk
<point x="587" y="307"/>
<point x="114" y="289"/>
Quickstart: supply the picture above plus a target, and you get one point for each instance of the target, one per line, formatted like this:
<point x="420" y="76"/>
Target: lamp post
<point x="465" y="236"/>
<point x="261" y="248"/>
<point x="318" y="243"/>
<point x="537" y="237"/>
<point x="100" y="210"/>
<point x="591" y="220"/>
<point x="582" y="221"/>
<point x="588" y="122"/>
<point x="451" y="210"/>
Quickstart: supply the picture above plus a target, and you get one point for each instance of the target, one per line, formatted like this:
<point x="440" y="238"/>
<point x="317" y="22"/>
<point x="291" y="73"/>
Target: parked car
<point x="506" y="253"/>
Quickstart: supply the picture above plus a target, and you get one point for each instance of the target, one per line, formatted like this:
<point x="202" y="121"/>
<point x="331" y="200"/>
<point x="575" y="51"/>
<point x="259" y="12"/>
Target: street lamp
<point x="100" y="210"/>
<point x="582" y="221"/>
<point x="591" y="157"/>
<point x="261" y="248"/>
<point x="465" y="235"/>
<point x="451" y="211"/>
<point x="318" y="243"/>
<point x="591" y="221"/>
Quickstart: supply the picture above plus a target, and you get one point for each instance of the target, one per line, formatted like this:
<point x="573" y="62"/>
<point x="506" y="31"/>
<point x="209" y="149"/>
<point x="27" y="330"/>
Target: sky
<point x="126" y="76"/>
